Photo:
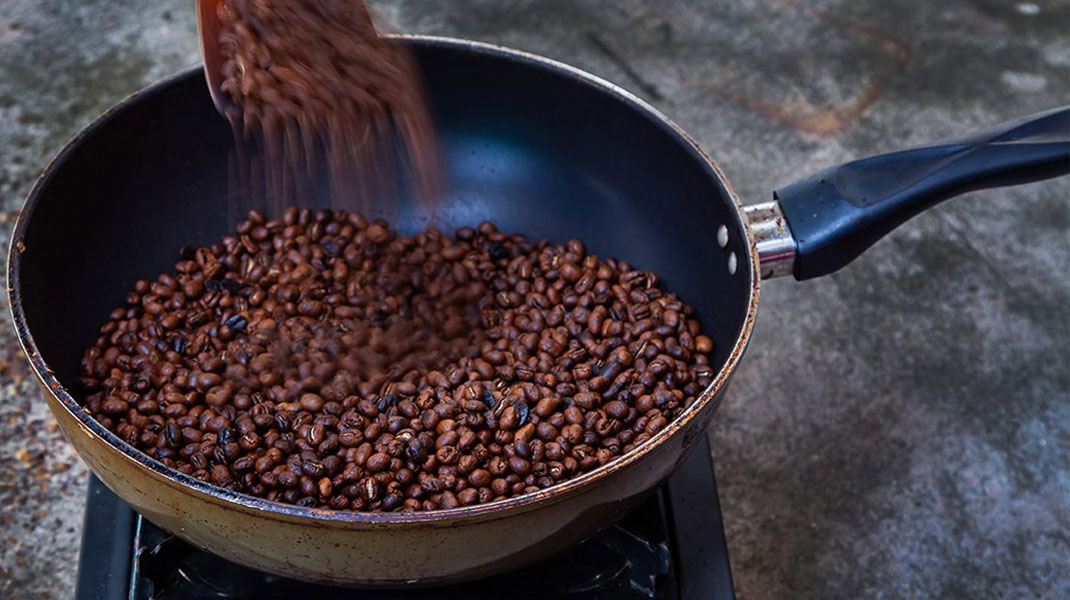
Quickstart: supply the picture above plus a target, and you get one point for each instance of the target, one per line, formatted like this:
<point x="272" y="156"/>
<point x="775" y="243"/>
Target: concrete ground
<point x="899" y="429"/>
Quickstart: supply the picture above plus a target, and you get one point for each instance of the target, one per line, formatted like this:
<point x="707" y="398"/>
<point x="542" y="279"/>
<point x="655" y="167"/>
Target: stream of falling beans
<point x="316" y="90"/>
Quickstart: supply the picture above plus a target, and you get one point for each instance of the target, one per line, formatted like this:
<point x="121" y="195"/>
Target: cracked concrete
<point x="898" y="429"/>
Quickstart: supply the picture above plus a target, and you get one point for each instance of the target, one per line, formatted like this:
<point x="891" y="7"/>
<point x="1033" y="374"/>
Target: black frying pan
<point x="531" y="144"/>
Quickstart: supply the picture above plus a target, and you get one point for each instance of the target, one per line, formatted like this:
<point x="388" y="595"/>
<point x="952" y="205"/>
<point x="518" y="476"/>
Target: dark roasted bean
<point x="479" y="478"/>
<point x="377" y="462"/>
<point x="311" y="402"/>
<point x="173" y="435"/>
<point x="519" y="466"/>
<point x="446" y="455"/>
<point x="350" y="438"/>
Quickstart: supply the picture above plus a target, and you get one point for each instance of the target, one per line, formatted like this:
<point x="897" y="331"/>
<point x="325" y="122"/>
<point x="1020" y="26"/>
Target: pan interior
<point x="528" y="144"/>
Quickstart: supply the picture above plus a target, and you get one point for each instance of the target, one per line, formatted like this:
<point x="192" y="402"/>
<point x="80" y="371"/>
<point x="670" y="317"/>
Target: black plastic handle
<point x="837" y="214"/>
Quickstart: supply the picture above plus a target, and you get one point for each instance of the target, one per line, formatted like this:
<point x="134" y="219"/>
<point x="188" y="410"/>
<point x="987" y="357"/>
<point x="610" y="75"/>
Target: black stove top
<point x="670" y="548"/>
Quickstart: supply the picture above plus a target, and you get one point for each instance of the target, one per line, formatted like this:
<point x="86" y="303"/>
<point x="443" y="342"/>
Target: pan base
<point x="670" y="547"/>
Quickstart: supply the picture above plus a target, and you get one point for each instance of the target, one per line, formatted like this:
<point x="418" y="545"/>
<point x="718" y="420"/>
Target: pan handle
<point x="838" y="213"/>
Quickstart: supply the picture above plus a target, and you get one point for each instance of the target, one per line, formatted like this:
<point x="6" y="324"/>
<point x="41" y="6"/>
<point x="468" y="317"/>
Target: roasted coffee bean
<point x="703" y="344"/>
<point x="313" y="468"/>
<point x="325" y="487"/>
<point x="173" y="435"/>
<point x="221" y="475"/>
<point x="377" y="462"/>
<point x="243" y="464"/>
<point x="446" y="455"/>
<point x="236" y="323"/>
<point x="497" y="250"/>
<point x="311" y="402"/>
<point x="519" y="465"/>
<point x="350" y="438"/>
<point x="479" y="478"/>
<point x="374" y="378"/>
<point x="522" y="412"/>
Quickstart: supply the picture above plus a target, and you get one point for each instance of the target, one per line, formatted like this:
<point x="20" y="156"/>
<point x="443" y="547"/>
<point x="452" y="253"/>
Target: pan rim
<point x="480" y="512"/>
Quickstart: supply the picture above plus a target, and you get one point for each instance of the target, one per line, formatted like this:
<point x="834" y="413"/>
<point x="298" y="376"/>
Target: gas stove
<point x="671" y="548"/>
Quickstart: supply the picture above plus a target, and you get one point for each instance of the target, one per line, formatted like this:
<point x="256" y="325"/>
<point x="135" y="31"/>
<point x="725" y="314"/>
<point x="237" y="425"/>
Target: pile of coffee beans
<point x="322" y="360"/>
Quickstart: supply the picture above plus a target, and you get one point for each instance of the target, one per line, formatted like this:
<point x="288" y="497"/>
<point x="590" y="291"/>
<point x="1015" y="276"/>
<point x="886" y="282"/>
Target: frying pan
<point x="535" y="146"/>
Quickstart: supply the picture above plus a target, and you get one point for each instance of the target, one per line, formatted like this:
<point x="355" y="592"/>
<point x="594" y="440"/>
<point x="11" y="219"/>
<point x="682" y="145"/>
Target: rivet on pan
<point x="722" y="236"/>
<point x="732" y="263"/>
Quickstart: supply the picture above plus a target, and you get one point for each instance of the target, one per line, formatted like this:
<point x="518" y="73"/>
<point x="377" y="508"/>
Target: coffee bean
<point x="519" y="466"/>
<point x="325" y="487"/>
<point x="311" y="402"/>
<point x="446" y="455"/>
<point x="479" y="478"/>
<point x="468" y="496"/>
<point x="547" y="406"/>
<point x="114" y="407"/>
<point x="703" y="344"/>
<point x="377" y="234"/>
<point x="221" y="475"/>
<point x="377" y="462"/>
<point x="497" y="250"/>
<point x="350" y="438"/>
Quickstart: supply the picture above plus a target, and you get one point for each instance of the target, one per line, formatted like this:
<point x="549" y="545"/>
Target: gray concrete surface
<point x="899" y="429"/>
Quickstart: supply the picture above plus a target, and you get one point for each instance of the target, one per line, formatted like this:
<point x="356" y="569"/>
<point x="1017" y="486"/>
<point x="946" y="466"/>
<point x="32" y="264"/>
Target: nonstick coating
<point x="535" y="146"/>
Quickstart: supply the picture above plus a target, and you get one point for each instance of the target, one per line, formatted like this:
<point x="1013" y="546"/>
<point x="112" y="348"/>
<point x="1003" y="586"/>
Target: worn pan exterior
<point x="358" y="549"/>
<point x="374" y="549"/>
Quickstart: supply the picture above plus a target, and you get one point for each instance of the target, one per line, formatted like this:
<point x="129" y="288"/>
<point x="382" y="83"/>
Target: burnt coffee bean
<point x="179" y="343"/>
<point x="173" y="435"/>
<point x="522" y="412"/>
<point x="387" y="402"/>
<point x="225" y="436"/>
<point x="391" y="502"/>
<point x="237" y="323"/>
<point x="393" y="375"/>
<point x="312" y="468"/>
<point x="497" y="250"/>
